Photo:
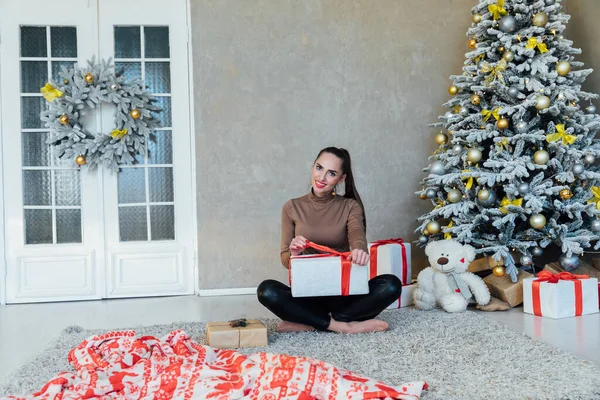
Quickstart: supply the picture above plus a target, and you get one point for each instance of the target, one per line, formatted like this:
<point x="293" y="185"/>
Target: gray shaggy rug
<point x="460" y="356"/>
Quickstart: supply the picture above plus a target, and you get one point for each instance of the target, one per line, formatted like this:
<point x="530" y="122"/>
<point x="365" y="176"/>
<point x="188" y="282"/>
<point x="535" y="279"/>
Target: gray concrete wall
<point x="275" y="81"/>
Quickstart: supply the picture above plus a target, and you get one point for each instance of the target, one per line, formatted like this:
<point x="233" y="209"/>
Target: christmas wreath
<point x="91" y="86"/>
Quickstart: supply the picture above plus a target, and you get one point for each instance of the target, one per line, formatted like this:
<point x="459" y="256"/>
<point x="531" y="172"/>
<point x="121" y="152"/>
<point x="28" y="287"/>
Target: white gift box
<point x="318" y="275"/>
<point x="559" y="300"/>
<point x="391" y="258"/>
<point x="405" y="299"/>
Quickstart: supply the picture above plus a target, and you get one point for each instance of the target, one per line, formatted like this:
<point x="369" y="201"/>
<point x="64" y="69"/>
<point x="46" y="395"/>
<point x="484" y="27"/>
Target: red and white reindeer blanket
<point x="119" y="365"/>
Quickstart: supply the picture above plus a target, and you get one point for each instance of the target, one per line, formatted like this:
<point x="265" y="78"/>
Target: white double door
<point x="74" y="234"/>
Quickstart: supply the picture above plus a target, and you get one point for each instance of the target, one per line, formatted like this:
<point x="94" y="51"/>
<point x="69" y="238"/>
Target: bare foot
<point x="285" y="326"/>
<point x="371" y="325"/>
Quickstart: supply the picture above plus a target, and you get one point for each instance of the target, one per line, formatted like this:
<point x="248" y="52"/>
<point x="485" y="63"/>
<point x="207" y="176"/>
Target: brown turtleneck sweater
<point x="335" y="221"/>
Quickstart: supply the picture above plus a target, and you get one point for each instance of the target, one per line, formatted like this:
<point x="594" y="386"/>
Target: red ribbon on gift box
<point x="373" y="257"/>
<point x="344" y="258"/>
<point x="549" y="277"/>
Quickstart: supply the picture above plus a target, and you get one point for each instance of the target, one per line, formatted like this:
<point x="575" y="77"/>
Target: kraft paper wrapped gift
<point x="560" y="295"/>
<point x="328" y="274"/>
<point x="390" y="256"/>
<point x="223" y="335"/>
<point x="503" y="288"/>
<point x="583" y="269"/>
<point x="405" y="299"/>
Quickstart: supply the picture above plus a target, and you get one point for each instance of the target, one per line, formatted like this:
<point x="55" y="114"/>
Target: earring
<point x="333" y="191"/>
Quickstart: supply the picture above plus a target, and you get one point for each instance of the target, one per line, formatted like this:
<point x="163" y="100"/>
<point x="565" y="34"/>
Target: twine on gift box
<point x="238" y="323"/>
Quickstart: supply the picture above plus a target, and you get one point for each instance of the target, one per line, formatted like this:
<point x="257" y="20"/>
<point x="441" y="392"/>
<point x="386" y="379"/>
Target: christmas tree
<point x="514" y="170"/>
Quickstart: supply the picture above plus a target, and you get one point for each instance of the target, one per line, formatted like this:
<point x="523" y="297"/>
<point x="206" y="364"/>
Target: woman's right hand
<point x="297" y="245"/>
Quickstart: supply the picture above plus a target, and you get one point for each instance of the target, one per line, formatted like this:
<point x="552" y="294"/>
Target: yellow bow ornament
<point x="448" y="235"/>
<point x="50" y="93"/>
<point x="533" y="42"/>
<point x="506" y="202"/>
<point x="497" y="10"/>
<point x="502" y="144"/>
<point x="488" y="113"/>
<point x="469" y="184"/>
<point x="118" y="134"/>
<point x="561" y="134"/>
<point x="596" y="198"/>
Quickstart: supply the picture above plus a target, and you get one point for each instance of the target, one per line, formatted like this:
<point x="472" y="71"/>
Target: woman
<point x="338" y="222"/>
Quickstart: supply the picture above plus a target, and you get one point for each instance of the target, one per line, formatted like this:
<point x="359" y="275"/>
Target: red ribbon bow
<point x="549" y="277"/>
<point x="373" y="257"/>
<point x="344" y="257"/>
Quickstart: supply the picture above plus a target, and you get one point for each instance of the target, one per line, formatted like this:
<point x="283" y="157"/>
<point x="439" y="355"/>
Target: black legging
<point x="314" y="311"/>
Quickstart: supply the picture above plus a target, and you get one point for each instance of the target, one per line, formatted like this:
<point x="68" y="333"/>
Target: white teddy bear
<point x="447" y="282"/>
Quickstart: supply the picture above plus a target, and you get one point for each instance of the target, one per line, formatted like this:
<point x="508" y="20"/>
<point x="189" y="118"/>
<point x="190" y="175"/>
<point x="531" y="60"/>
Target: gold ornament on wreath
<point x="88" y="88"/>
<point x="566" y="194"/>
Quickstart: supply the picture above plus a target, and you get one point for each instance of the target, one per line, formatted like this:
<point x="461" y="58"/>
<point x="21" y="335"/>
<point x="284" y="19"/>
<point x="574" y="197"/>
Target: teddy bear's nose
<point x="442" y="261"/>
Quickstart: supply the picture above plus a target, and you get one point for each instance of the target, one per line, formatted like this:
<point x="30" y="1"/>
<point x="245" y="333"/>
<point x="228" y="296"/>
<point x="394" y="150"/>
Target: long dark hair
<point x="350" y="187"/>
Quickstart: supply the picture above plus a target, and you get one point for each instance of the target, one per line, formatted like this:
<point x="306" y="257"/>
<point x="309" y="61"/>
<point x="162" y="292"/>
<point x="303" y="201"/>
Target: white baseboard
<point x="226" y="292"/>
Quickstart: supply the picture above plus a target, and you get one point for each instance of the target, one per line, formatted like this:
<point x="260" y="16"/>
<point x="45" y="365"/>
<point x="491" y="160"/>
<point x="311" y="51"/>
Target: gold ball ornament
<point x="475" y="99"/>
<point x="474" y="155"/>
<point x="89" y="78"/>
<point x="452" y="90"/>
<point x="423" y="196"/>
<point x="472" y="43"/>
<point x="540" y="19"/>
<point x="498" y="270"/>
<point x="542" y="102"/>
<point x="63" y="119"/>
<point x="477" y="18"/>
<point x="135" y="114"/>
<point x="483" y="194"/>
<point x="566" y="194"/>
<point x="80" y="160"/>
<point x="563" y="68"/>
<point x="508" y="56"/>
<point x="433" y="227"/>
<point x="441" y="138"/>
<point x="502" y="123"/>
<point x="537" y="221"/>
<point x="66" y="81"/>
<point x="541" y="157"/>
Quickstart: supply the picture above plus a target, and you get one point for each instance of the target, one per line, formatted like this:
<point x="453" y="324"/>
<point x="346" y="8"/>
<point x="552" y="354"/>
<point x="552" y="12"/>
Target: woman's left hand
<point x="359" y="257"/>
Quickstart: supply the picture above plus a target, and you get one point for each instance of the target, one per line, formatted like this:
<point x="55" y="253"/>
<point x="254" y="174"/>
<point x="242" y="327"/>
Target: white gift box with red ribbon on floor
<point x="392" y="256"/>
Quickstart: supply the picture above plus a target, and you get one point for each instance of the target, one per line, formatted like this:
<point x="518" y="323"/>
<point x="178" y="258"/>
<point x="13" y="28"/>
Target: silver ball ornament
<point x="523" y="188"/>
<point x="431" y="194"/>
<point x="541" y="157"/>
<point x="522" y="127"/>
<point x="457" y="149"/>
<point x="513" y="92"/>
<point x="507" y="24"/>
<point x="595" y="225"/>
<point x="464" y="111"/>
<point x="569" y="263"/>
<point x="542" y="102"/>
<point x="437" y="168"/>
<point x="537" y="251"/>
<point x="113" y="87"/>
<point x="589" y="159"/>
<point x="423" y="239"/>
<point x="454" y="196"/>
<point x="578" y="169"/>
<point x="448" y="115"/>
<point x="549" y="2"/>
<point x="526" y="260"/>
<point x="491" y="200"/>
<point x="474" y="155"/>
<point x="591" y="109"/>
<point x="537" y="221"/>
